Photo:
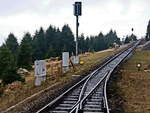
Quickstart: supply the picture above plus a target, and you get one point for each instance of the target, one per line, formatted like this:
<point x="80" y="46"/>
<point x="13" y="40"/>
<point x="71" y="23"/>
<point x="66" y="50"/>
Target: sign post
<point x="40" y="72"/>
<point x="65" y="61"/>
<point x="77" y="13"/>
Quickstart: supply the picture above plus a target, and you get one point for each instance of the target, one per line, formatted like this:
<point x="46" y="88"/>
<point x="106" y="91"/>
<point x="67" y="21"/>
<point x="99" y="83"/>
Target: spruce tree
<point x="39" y="45"/>
<point x="81" y="43"/>
<point x="112" y="38"/>
<point x="67" y="39"/>
<point x="57" y="45"/>
<point x="127" y="40"/>
<point x="25" y="52"/>
<point x="87" y="43"/>
<point x="133" y="37"/>
<point x="53" y="42"/>
<point x="99" y="43"/>
<point x="8" y="69"/>
<point x="12" y="45"/>
<point x="50" y="37"/>
<point x="148" y="32"/>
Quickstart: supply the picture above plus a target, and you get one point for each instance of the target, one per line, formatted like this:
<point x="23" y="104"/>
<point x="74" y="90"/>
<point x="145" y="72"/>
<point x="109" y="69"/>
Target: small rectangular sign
<point x="65" y="59"/>
<point x="76" y="60"/>
<point x="40" y="68"/>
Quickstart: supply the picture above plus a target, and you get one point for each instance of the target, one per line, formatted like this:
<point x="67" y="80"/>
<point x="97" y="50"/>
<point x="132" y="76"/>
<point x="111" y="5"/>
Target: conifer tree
<point x="148" y="32"/>
<point x="8" y="69"/>
<point x="25" y="52"/>
<point x="133" y="37"/>
<point x="82" y="44"/>
<point x="39" y="45"/>
<point x="50" y="37"/>
<point x="67" y="39"/>
<point x="12" y="45"/>
<point x="53" y="42"/>
<point x="127" y="40"/>
<point x="100" y="43"/>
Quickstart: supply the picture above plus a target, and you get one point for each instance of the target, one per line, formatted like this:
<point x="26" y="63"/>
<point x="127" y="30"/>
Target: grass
<point x="134" y="85"/>
<point x="22" y="91"/>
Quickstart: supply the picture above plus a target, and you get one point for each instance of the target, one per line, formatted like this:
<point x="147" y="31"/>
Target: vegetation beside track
<point x="129" y="88"/>
<point x="22" y="91"/>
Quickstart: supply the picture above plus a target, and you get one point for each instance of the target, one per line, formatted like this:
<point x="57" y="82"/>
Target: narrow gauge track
<point x="88" y="95"/>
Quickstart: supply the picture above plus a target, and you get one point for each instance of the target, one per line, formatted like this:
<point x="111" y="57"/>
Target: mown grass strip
<point x="133" y="85"/>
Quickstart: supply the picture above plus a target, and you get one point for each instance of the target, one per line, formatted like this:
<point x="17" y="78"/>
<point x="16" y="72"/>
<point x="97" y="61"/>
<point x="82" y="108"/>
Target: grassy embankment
<point x="14" y="95"/>
<point x="133" y="86"/>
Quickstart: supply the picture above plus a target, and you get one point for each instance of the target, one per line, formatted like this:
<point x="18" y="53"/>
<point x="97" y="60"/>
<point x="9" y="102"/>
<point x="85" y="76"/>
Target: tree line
<point x="130" y="38"/>
<point x="45" y="44"/>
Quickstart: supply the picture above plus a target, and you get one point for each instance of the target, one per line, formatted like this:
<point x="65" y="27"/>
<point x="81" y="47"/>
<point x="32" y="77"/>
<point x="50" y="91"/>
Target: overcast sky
<point x="20" y="16"/>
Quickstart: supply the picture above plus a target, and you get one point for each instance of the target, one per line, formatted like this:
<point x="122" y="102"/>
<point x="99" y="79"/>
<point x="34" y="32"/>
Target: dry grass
<point x="22" y="91"/>
<point x="135" y="84"/>
<point x="91" y="60"/>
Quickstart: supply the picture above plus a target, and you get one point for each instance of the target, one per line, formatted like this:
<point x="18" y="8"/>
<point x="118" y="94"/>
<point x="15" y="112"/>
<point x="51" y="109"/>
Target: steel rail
<point x="81" y="101"/>
<point x="78" y="105"/>
<point x="94" y="73"/>
<point x="55" y="100"/>
<point x="108" y="77"/>
<point x="84" y="83"/>
<point x="87" y="77"/>
<point x="105" y="94"/>
<point x="97" y="70"/>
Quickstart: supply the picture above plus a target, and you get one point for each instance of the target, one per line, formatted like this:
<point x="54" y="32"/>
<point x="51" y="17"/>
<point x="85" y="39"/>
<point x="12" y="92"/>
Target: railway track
<point x="89" y="95"/>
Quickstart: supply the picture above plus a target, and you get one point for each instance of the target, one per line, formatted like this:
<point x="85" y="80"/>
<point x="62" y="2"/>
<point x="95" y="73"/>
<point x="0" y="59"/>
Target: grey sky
<point x="20" y="16"/>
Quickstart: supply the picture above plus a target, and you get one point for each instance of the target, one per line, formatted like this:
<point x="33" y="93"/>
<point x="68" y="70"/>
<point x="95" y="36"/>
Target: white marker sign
<point x="65" y="59"/>
<point x="76" y="60"/>
<point x="65" y="62"/>
<point x="40" y="68"/>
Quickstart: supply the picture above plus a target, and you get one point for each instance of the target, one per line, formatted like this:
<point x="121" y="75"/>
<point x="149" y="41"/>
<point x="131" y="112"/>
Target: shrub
<point x="8" y="68"/>
<point x="22" y="80"/>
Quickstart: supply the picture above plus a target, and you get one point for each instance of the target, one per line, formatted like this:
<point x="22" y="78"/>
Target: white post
<point x="76" y="60"/>
<point x="65" y="62"/>
<point x="40" y="72"/>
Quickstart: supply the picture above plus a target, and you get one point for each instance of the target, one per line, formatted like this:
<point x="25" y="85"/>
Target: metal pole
<point x="77" y="25"/>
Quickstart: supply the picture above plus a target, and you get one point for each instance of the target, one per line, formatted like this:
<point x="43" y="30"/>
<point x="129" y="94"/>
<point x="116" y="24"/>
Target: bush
<point x="10" y="76"/>
<point x="8" y="68"/>
<point x="22" y="80"/>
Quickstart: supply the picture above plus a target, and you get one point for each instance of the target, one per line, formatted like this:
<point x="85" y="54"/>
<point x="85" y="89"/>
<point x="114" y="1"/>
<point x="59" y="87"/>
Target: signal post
<point x="77" y="13"/>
